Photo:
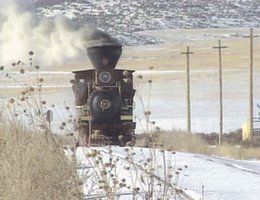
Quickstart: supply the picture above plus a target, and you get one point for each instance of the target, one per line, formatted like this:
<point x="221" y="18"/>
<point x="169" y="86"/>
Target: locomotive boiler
<point x="104" y="98"/>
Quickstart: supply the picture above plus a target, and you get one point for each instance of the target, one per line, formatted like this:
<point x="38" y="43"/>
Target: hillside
<point x="124" y="18"/>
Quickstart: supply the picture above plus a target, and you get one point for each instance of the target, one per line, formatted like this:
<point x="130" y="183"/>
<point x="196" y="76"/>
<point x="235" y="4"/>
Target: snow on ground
<point x="135" y="171"/>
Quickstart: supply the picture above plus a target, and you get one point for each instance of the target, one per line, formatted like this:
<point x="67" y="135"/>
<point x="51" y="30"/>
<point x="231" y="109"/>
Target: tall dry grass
<point x="181" y="141"/>
<point x="33" y="166"/>
<point x="236" y="151"/>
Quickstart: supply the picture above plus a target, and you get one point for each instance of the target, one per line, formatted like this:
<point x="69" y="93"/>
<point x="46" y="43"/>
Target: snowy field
<point x="198" y="176"/>
<point x="168" y="97"/>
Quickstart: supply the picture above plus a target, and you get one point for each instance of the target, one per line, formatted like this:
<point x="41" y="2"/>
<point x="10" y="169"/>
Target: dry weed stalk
<point x="149" y="178"/>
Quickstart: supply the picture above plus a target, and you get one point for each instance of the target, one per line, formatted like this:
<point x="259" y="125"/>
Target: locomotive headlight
<point x="104" y="77"/>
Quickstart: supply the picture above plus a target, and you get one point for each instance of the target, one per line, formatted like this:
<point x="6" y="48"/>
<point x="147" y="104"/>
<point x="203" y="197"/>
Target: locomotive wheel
<point x="104" y="105"/>
<point x="128" y="138"/>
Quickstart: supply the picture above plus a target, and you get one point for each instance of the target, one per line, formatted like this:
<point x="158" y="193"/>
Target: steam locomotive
<point x="104" y="98"/>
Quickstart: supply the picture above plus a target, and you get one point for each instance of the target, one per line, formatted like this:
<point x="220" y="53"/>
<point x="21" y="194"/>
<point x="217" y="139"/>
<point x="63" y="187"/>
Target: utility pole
<point x="188" y="53"/>
<point x="219" y="47"/>
<point x="251" y="83"/>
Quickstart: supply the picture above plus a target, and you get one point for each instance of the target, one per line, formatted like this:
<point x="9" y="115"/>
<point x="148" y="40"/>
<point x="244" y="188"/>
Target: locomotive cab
<point x="104" y="97"/>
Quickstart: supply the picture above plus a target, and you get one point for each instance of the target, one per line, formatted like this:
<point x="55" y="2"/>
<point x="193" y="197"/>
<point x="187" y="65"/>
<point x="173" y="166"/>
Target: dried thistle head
<point x="69" y="121"/>
<point x="31" y="89"/>
<point x="22" y="71"/>
<point x="107" y="165"/>
<point x="30" y="53"/>
<point x="147" y="113"/>
<point x="153" y="122"/>
<point x="169" y="149"/>
<point x="162" y="151"/>
<point x="140" y="76"/>
<point x="103" y="173"/>
<point x="11" y="100"/>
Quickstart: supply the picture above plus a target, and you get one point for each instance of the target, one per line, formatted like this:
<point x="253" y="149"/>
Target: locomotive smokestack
<point x="104" y="51"/>
<point x="104" y="56"/>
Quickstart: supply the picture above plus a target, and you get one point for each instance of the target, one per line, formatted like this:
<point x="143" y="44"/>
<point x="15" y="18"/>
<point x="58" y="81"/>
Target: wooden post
<point x="187" y="53"/>
<point x="49" y="118"/>
<point x="251" y="83"/>
<point x="219" y="47"/>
